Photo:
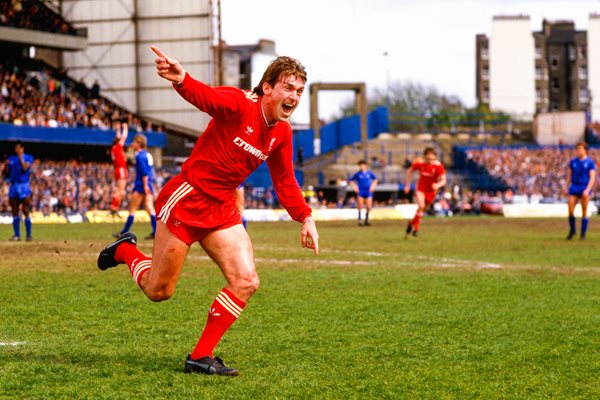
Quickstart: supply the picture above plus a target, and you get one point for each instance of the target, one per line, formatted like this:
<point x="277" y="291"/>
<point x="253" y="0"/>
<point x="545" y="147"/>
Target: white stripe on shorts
<point x="177" y="195"/>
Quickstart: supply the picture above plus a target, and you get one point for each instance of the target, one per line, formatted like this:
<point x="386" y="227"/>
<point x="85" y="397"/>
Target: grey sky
<point x="430" y="41"/>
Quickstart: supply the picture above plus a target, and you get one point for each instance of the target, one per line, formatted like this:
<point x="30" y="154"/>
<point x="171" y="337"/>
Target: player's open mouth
<point x="288" y="108"/>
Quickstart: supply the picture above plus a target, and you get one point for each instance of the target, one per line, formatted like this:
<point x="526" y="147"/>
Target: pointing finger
<point x="157" y="51"/>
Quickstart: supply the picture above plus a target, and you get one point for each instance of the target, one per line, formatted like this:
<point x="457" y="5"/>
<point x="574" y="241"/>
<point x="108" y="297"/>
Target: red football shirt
<point x="118" y="156"/>
<point x="428" y="174"/>
<point x="236" y="141"/>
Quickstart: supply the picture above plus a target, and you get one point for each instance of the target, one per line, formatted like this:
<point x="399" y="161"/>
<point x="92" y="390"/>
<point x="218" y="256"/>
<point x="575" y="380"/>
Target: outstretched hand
<point x="310" y="236"/>
<point x="167" y="67"/>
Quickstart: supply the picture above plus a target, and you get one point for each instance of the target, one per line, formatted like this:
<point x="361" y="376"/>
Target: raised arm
<point x="167" y="67"/>
<point x="124" y="133"/>
<point x="217" y="102"/>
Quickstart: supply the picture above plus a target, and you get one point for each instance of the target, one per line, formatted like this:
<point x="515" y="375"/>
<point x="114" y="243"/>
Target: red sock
<point x="115" y="203"/>
<point x="137" y="262"/>
<point x="417" y="220"/>
<point x="222" y="314"/>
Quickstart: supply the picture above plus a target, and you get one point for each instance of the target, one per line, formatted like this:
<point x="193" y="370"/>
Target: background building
<point x="523" y="73"/>
<point x="252" y="60"/>
<point x="593" y="71"/>
<point x="119" y="58"/>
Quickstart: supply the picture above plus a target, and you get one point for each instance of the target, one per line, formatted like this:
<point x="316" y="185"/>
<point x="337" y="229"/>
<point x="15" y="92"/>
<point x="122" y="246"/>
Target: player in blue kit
<point x="580" y="181"/>
<point x="143" y="189"/>
<point x="18" y="169"/>
<point x="363" y="182"/>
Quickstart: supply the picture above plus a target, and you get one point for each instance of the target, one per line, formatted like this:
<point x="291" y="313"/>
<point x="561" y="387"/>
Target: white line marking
<point x="11" y="344"/>
<point x="453" y="262"/>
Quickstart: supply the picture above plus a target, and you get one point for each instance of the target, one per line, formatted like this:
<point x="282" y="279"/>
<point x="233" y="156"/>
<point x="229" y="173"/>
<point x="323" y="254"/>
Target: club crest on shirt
<point x="251" y="96"/>
<point x="249" y="130"/>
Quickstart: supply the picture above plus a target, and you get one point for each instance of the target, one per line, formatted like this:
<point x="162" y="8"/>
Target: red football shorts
<point x="190" y="214"/>
<point x="429" y="196"/>
<point x="120" y="173"/>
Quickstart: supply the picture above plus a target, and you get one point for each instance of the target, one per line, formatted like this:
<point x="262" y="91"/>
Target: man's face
<point x="19" y="149"/>
<point x="363" y="167"/>
<point x="580" y="151"/>
<point x="282" y="99"/>
<point x="429" y="158"/>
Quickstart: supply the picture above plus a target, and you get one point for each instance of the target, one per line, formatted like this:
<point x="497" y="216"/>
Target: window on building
<point x="538" y="96"/>
<point x="555" y="85"/>
<point x="485" y="73"/>
<point x="583" y="73"/>
<point x="554" y="106"/>
<point x="584" y="96"/>
<point x="538" y="73"/>
<point x="485" y="53"/>
<point x="538" y="52"/>
<point x="572" y="53"/>
<point x="486" y="96"/>
<point x="554" y="62"/>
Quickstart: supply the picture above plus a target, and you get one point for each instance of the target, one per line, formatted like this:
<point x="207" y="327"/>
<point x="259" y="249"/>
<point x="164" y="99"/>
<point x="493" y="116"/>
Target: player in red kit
<point x="432" y="177"/>
<point x="198" y="205"/>
<point x="120" y="163"/>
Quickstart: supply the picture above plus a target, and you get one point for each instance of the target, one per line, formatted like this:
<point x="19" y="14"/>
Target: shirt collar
<point x="262" y="111"/>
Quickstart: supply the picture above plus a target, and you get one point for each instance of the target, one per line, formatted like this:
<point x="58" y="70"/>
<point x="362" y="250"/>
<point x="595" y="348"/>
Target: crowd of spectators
<point x="261" y="198"/>
<point x="34" y="15"/>
<point x="49" y="98"/>
<point x="67" y="187"/>
<point x="538" y="173"/>
<point x="593" y="132"/>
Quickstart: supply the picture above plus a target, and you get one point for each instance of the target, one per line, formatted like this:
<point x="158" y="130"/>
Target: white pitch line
<point x="11" y="344"/>
<point x="294" y="260"/>
<point x="364" y="253"/>
<point x="453" y="262"/>
<point x="329" y="262"/>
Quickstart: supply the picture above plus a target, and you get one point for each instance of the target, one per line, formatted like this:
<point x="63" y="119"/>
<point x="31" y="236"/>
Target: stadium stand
<point x="537" y="172"/>
<point x="68" y="187"/>
<point x="34" y="15"/>
<point x="35" y="94"/>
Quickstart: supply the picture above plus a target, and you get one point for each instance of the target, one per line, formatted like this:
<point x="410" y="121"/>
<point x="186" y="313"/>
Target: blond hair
<point x="141" y="140"/>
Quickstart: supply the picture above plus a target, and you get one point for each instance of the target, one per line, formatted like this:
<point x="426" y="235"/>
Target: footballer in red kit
<point x="198" y="205"/>
<point x="432" y="177"/>
<point x="120" y="163"/>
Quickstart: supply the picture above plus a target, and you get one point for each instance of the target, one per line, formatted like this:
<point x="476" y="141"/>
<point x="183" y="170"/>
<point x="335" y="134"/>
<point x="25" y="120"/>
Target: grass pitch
<point x="474" y="308"/>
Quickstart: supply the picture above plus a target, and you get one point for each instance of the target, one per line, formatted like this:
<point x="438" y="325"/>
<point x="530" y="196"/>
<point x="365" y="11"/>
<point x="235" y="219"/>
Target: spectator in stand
<point x="48" y="98"/>
<point x="300" y="157"/>
<point x="68" y="187"/>
<point x="33" y="15"/>
<point x="95" y="90"/>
